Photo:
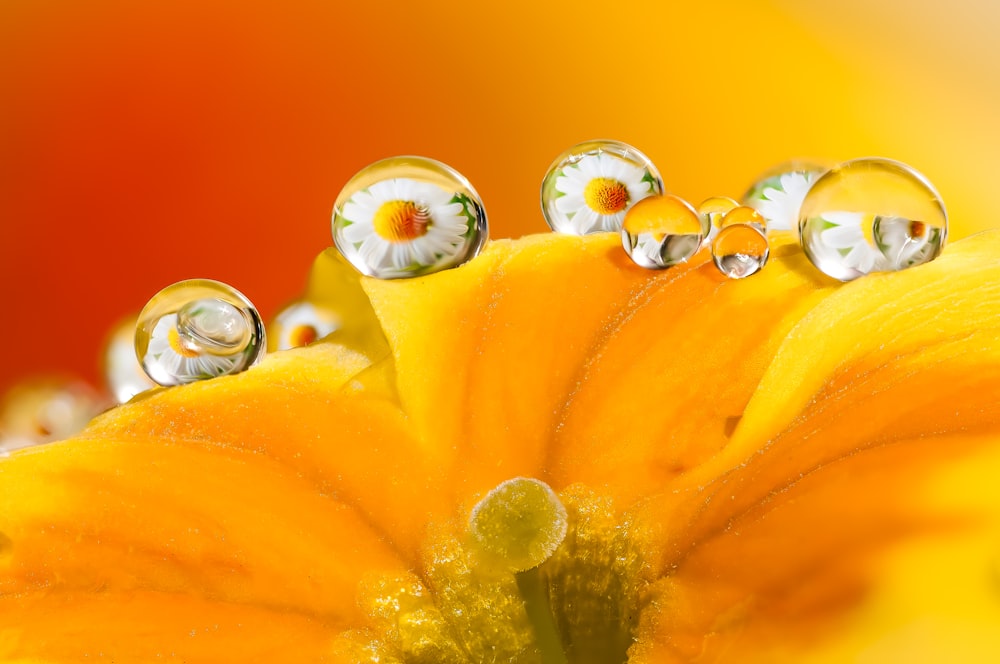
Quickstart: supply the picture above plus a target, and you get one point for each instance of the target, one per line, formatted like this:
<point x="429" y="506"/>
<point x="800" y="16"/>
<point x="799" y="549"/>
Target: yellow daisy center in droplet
<point x="302" y="335"/>
<point x="174" y="339"/>
<point x="401" y="221"/>
<point x="606" y="196"/>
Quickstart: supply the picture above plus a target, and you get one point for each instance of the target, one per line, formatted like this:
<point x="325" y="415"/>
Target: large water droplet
<point x="871" y="215"/>
<point x="301" y="323"/>
<point x="198" y="329"/>
<point x="408" y="216"/>
<point x="123" y="373"/>
<point x="661" y="231"/>
<point x="777" y="194"/>
<point x="590" y="187"/>
<point x="740" y="250"/>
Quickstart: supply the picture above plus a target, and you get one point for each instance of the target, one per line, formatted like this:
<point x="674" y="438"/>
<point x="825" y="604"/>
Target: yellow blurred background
<point x="144" y="143"/>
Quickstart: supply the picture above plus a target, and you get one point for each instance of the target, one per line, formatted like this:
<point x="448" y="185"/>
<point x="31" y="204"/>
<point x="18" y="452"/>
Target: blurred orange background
<point x="144" y="143"/>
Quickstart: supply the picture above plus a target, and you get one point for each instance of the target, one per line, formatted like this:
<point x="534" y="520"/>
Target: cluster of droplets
<point x="411" y="216"/>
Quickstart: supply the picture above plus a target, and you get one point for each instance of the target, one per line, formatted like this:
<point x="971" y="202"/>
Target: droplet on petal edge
<point x="408" y="216"/>
<point x="871" y="215"/>
<point x="590" y="187"/>
<point x="43" y="410"/>
<point x="123" y="374"/>
<point x="777" y="194"/>
<point x="198" y="329"/>
<point x="740" y="250"/>
<point x="300" y="323"/>
<point x="661" y="231"/>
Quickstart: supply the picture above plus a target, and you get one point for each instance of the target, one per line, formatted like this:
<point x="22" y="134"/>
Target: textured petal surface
<point x="800" y="453"/>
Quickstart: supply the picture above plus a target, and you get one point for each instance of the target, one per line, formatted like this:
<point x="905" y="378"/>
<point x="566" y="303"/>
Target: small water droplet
<point x="740" y="250"/>
<point x="590" y="187"/>
<point x="198" y="329"/>
<point x="743" y="214"/>
<point x="123" y="373"/>
<point x="871" y="215"/>
<point x="661" y="231"/>
<point x="301" y="323"/>
<point x="777" y="194"/>
<point x="408" y="216"/>
<point x="713" y="210"/>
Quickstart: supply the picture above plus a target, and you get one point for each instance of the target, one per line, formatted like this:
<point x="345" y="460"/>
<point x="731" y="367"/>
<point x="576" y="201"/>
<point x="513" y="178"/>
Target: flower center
<point x="302" y="335"/>
<point x="536" y="577"/>
<point x="174" y="339"/>
<point x="401" y="221"/>
<point x="606" y="196"/>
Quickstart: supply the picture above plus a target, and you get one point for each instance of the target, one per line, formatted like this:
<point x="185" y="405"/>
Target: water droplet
<point x="743" y="214"/>
<point x="661" y="231"/>
<point x="777" y="194"/>
<point x="590" y="187"/>
<point x="740" y="250"/>
<point x="42" y="410"/>
<point x="198" y="329"/>
<point x="713" y="210"/>
<point x="871" y="215"/>
<point x="301" y="323"/>
<point x="408" y="216"/>
<point x="123" y="374"/>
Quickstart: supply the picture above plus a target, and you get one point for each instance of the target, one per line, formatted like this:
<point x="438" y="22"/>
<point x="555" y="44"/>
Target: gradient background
<point x="146" y="142"/>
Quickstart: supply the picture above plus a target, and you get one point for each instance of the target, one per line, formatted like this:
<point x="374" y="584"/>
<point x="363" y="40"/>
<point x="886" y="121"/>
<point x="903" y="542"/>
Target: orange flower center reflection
<point x="401" y="221"/>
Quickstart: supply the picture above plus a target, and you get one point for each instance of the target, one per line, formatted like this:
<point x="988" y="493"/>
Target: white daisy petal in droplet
<point x="400" y="227"/>
<point x="598" y="190"/>
<point x="301" y="323"/>
<point x="781" y="199"/>
<point x="176" y="360"/>
<point x="847" y="238"/>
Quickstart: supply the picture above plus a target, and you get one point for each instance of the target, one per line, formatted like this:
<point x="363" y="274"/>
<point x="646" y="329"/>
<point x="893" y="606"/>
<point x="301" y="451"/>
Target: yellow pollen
<point x="605" y="196"/>
<point x="174" y="340"/>
<point x="401" y="221"/>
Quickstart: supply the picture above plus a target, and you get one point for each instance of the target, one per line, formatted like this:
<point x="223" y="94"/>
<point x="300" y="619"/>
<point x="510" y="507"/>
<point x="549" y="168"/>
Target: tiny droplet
<point x="713" y="210"/>
<point x="740" y="250"/>
<point x="300" y="323"/>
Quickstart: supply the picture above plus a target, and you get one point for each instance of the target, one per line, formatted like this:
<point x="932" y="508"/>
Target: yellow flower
<point x="779" y="469"/>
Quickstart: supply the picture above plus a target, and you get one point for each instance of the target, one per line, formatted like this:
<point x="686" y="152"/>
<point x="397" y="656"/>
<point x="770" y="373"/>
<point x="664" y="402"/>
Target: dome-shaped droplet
<point x="408" y="216"/>
<point x="301" y="323"/>
<point x="777" y="194"/>
<point x="713" y="210"/>
<point x="198" y="329"/>
<point x="661" y="231"/>
<point x="743" y="214"/>
<point x="123" y="373"/>
<point x="871" y="215"/>
<point x="740" y="250"/>
<point x="590" y="187"/>
<point x="45" y="409"/>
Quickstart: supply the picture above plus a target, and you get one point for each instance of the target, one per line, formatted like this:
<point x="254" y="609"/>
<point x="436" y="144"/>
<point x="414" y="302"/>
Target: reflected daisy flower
<point x="847" y="237"/>
<point x="176" y="359"/>
<point x="401" y="226"/>
<point x="781" y="198"/>
<point x="301" y="323"/>
<point x="598" y="190"/>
